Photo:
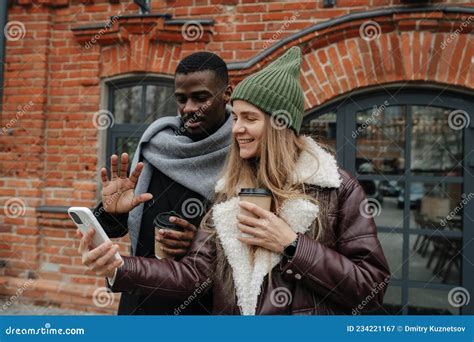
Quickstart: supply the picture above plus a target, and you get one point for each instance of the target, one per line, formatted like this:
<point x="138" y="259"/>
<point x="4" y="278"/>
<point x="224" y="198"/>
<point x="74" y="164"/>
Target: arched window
<point x="135" y="103"/>
<point x="412" y="151"/>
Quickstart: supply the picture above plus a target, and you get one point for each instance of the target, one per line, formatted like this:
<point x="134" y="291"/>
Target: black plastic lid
<point x="162" y="220"/>
<point x="255" y="192"/>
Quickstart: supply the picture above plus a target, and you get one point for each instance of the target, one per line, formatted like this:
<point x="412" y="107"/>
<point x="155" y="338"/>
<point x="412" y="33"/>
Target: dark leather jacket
<point x="344" y="272"/>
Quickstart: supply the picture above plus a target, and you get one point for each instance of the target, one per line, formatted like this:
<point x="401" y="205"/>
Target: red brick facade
<point x="50" y="150"/>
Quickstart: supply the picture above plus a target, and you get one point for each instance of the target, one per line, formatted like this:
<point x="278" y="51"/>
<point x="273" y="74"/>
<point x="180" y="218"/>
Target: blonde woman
<point x="312" y="253"/>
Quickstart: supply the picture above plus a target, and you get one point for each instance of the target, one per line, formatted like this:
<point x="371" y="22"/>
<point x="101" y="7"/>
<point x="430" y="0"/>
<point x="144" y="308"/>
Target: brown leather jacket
<point x="344" y="272"/>
<point x="341" y="271"/>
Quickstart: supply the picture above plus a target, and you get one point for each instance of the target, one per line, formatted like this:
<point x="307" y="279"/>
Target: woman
<point x="314" y="254"/>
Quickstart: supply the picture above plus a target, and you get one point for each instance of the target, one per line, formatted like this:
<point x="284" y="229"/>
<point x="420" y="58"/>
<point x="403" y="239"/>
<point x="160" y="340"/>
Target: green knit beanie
<point x="276" y="90"/>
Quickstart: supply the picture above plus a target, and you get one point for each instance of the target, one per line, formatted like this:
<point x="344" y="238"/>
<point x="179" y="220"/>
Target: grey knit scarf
<point x="193" y="164"/>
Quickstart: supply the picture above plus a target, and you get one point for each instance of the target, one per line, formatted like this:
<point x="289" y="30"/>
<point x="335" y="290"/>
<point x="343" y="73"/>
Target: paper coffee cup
<point x="162" y="221"/>
<point x="258" y="196"/>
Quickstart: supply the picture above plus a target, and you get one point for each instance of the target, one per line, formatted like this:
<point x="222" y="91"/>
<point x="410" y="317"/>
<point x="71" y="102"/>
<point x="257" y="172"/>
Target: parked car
<point x="417" y="192"/>
<point x="390" y="188"/>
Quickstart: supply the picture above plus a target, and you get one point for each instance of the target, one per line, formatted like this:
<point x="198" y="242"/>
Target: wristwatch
<point x="290" y="250"/>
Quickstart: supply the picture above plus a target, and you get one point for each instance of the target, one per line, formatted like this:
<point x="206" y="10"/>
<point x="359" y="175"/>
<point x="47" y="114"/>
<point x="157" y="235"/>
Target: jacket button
<point x="298" y="276"/>
<point x="288" y="271"/>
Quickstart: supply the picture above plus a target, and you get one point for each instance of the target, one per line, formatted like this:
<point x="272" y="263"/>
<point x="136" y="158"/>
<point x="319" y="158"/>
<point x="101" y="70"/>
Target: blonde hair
<point x="272" y="169"/>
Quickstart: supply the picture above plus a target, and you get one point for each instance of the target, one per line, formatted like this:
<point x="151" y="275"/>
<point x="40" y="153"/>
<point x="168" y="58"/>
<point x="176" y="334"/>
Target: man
<point x="175" y="168"/>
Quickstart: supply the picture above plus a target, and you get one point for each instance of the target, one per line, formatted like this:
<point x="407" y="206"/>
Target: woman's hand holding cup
<point x="267" y="230"/>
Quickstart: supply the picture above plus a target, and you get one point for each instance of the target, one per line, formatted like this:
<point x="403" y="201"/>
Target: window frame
<point x="129" y="130"/>
<point x="346" y="108"/>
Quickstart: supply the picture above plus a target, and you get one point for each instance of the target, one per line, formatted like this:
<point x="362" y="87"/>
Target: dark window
<point x="135" y="104"/>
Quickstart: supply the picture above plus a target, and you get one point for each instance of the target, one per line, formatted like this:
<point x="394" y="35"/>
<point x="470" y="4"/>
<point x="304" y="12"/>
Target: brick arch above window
<point x="373" y="48"/>
<point x="353" y="63"/>
<point x="358" y="50"/>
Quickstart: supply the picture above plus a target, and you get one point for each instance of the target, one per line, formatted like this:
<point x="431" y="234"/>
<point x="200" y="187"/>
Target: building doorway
<point x="413" y="152"/>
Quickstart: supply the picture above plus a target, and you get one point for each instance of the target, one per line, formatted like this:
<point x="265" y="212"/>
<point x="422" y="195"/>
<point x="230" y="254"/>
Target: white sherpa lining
<point x="298" y="213"/>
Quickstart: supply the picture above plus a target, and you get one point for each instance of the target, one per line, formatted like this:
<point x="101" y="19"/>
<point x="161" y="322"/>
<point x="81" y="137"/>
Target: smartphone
<point x="84" y="219"/>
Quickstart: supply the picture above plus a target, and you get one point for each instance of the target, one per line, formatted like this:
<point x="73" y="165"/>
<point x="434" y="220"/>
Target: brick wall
<point x="50" y="150"/>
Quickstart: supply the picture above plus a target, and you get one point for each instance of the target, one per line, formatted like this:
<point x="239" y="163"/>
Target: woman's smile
<point x="244" y="142"/>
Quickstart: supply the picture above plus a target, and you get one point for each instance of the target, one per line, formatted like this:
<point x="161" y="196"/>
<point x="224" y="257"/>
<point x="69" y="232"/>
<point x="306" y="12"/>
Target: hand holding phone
<point x="104" y="257"/>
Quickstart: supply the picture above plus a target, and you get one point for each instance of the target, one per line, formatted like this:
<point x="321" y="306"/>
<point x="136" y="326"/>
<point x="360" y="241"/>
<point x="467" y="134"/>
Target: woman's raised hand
<point x="118" y="193"/>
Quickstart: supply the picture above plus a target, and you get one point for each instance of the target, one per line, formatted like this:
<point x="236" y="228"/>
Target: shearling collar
<point x="298" y="213"/>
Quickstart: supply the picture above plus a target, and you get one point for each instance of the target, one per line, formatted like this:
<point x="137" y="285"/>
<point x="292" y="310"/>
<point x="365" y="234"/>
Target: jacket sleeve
<point x="352" y="273"/>
<point x="115" y="225"/>
<point x="167" y="277"/>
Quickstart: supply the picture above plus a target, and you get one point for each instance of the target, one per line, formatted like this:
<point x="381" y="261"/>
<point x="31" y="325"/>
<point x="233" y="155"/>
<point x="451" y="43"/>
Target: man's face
<point x="201" y="102"/>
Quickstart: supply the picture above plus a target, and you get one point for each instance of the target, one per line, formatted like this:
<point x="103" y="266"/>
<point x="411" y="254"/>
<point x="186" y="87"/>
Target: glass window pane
<point x="160" y="102"/>
<point x="430" y="302"/>
<point x="437" y="149"/>
<point x="436" y="206"/>
<point x="380" y="140"/>
<point x="127" y="145"/>
<point x="392" y="301"/>
<point x="322" y="129"/>
<point x="128" y="105"/>
<point x="437" y="259"/>
<point x="392" y="245"/>
<point x="382" y="197"/>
